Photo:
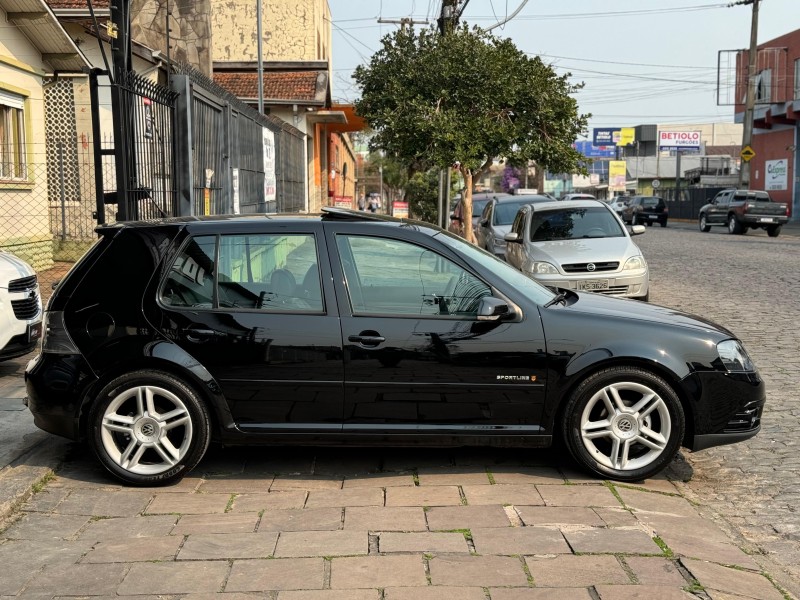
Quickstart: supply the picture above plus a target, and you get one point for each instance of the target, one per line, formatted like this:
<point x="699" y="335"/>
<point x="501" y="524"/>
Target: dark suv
<point x="646" y="210"/>
<point x="361" y="329"/>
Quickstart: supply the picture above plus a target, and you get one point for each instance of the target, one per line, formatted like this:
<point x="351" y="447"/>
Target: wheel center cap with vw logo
<point x="625" y="426"/>
<point x="146" y="430"/>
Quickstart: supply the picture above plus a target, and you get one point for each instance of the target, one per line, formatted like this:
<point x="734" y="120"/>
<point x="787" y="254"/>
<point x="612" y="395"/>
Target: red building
<point x="776" y="126"/>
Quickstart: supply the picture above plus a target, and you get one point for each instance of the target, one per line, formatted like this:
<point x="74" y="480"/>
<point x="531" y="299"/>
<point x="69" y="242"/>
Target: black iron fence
<point x="686" y="203"/>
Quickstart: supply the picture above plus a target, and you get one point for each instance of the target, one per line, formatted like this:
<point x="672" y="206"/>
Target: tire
<point x="704" y="226"/>
<point x="663" y="223"/>
<point x="613" y="448"/>
<point x="734" y="227"/>
<point x="774" y="230"/>
<point x="149" y="428"/>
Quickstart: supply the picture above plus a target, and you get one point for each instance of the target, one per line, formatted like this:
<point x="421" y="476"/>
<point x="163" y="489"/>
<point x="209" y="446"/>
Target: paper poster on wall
<point x="777" y="174"/>
<point x="235" y="185"/>
<point x="617" y="174"/>
<point x="270" y="192"/>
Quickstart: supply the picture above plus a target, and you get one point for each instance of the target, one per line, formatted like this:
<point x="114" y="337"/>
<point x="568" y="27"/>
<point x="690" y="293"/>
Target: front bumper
<point x="625" y="286"/>
<point x="727" y="407"/>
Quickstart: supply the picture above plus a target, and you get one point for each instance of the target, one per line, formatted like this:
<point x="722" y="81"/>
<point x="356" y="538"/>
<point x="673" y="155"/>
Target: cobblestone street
<point x="440" y="524"/>
<point x="749" y="284"/>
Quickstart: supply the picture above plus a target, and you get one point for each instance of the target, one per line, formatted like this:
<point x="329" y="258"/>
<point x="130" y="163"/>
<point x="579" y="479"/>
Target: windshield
<point x="504" y="212"/>
<point x="574" y="223"/>
<point x="515" y="279"/>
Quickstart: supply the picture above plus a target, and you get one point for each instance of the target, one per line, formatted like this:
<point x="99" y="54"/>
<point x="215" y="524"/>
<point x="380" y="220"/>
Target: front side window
<point x="268" y="272"/>
<point x="574" y="223"/>
<point x="394" y="277"/>
<point x="13" y="161"/>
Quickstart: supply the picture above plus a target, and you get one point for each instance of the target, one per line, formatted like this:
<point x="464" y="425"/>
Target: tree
<point x="465" y="99"/>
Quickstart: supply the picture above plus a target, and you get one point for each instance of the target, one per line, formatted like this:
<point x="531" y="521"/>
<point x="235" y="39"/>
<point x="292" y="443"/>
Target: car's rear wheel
<point x="624" y="423"/>
<point x="774" y="230"/>
<point x="704" y="226"/>
<point x="734" y="227"/>
<point x="149" y="428"/>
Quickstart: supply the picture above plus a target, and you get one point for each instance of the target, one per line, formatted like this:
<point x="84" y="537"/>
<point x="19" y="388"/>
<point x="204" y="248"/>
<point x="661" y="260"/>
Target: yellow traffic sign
<point x="747" y="153"/>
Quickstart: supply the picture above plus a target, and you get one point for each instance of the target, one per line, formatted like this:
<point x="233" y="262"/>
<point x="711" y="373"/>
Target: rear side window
<point x="269" y="272"/>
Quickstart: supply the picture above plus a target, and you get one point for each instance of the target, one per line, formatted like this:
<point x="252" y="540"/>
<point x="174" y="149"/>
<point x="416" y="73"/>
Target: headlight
<point x="634" y="263"/>
<point x="734" y="357"/>
<point x="543" y="268"/>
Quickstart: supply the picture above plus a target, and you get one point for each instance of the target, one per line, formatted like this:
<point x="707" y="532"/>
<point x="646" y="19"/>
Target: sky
<point x="642" y="61"/>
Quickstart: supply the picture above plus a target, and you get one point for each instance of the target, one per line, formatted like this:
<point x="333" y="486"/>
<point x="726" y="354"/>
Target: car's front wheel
<point x="624" y="423"/>
<point x="704" y="226"/>
<point x="149" y="428"/>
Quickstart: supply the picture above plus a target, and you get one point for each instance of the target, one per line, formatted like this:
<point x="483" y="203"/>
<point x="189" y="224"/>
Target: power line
<point x="617" y="62"/>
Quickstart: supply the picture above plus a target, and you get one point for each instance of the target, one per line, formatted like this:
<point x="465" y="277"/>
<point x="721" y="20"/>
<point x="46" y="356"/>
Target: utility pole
<point x="260" y="51"/>
<point x="750" y="99"/>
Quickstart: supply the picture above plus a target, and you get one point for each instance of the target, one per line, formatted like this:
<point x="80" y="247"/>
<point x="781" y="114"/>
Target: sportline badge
<point x="516" y="377"/>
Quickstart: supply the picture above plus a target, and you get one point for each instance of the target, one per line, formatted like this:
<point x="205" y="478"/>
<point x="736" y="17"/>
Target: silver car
<point x="495" y="221"/>
<point x="580" y="245"/>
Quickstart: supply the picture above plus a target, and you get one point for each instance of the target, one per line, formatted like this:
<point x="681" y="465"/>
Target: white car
<point x="580" y="245"/>
<point x="618" y="204"/>
<point x="20" y="307"/>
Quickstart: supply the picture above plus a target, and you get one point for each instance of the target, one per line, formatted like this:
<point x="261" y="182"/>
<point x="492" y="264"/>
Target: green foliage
<point x="422" y="193"/>
<point x="467" y="98"/>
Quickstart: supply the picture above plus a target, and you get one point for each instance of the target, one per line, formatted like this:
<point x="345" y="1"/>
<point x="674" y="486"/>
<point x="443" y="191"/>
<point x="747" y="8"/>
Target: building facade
<point x="775" y="167"/>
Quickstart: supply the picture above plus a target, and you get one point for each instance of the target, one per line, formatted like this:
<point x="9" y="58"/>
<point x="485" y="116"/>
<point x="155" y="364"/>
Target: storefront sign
<point x="400" y="210"/>
<point x="617" y="175"/>
<point x="679" y="140"/>
<point x="777" y="174"/>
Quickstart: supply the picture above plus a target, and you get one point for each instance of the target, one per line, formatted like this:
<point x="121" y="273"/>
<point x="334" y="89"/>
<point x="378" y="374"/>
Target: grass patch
<point x="614" y="491"/>
<point x="490" y="475"/>
<point x="40" y="485"/>
<point x="664" y="548"/>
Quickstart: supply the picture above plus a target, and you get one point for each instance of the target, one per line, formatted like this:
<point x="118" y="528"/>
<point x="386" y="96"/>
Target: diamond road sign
<point x="747" y="153"/>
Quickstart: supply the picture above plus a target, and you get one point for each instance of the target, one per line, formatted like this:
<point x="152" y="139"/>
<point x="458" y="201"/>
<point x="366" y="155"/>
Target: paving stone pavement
<point x="482" y="524"/>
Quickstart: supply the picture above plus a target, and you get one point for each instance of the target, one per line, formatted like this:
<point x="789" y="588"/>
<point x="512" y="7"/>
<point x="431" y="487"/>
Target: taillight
<point x="56" y="340"/>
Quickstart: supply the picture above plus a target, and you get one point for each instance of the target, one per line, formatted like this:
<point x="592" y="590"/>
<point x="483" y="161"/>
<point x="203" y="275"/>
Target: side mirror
<point x="512" y="236"/>
<point x="484" y="222"/>
<point x="493" y="309"/>
<point x="637" y="229"/>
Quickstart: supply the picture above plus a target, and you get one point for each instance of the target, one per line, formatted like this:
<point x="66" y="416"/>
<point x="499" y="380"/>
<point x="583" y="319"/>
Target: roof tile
<point x="284" y="85"/>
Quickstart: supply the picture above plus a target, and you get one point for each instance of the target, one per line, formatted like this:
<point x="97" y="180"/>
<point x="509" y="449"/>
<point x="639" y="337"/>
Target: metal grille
<point x="617" y="290"/>
<point x="582" y="267"/>
<point x="208" y="130"/>
<point x="61" y="141"/>
<point x="26" y="309"/>
<point x="22" y="285"/>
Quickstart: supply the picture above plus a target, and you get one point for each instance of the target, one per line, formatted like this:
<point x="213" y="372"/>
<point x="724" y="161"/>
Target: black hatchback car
<point x="360" y="329"/>
<point x="645" y="210"/>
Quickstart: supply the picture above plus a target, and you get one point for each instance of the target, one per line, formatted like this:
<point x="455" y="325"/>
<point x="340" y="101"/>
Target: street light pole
<point x="750" y="98"/>
<point x="259" y="33"/>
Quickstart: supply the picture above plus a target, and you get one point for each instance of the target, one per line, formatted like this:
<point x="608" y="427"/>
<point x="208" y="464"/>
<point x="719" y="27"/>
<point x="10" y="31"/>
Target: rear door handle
<point x="367" y="340"/>
<point x="199" y="335"/>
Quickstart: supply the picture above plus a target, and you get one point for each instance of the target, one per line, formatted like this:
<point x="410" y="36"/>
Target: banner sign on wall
<point x="589" y="150"/>
<point x="617" y="175"/>
<point x="679" y="140"/>
<point x="270" y="191"/>
<point x="777" y="174"/>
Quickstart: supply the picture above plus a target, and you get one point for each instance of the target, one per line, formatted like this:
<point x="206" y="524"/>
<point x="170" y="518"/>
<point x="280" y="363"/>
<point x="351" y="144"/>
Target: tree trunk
<point x="466" y="208"/>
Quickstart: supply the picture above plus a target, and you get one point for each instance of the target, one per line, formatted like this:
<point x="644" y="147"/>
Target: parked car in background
<point x="618" y="204"/>
<point x="740" y="210"/>
<point x="577" y="196"/>
<point x="646" y="210"/>
<point x="479" y="202"/>
<point x="20" y="307"/>
<point x="579" y="245"/>
<point x="360" y="329"/>
<point x="495" y="221"/>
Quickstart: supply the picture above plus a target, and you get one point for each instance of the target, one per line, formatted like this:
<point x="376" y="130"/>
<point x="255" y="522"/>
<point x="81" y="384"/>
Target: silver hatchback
<point x="580" y="245"/>
<point x="495" y="221"/>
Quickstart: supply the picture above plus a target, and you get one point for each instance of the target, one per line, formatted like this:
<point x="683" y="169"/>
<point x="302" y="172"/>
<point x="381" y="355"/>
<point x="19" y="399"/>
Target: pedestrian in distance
<point x="362" y="203"/>
<point x="373" y="204"/>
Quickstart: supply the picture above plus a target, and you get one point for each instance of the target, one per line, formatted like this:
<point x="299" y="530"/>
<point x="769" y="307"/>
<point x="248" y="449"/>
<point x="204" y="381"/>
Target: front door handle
<point x="367" y="338"/>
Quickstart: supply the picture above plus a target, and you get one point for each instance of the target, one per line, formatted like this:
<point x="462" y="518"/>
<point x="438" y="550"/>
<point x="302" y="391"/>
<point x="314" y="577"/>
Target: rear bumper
<point x="752" y="220"/>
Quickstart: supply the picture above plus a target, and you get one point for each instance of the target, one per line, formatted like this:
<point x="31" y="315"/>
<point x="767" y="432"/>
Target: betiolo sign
<point x="679" y="140"/>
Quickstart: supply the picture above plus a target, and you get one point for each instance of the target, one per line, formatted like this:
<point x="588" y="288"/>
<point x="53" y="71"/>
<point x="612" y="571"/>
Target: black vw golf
<point x="359" y="329"/>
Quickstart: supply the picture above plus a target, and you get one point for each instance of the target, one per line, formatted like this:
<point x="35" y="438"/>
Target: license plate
<point x="766" y="220"/>
<point x="652" y="217"/>
<point x="593" y="285"/>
